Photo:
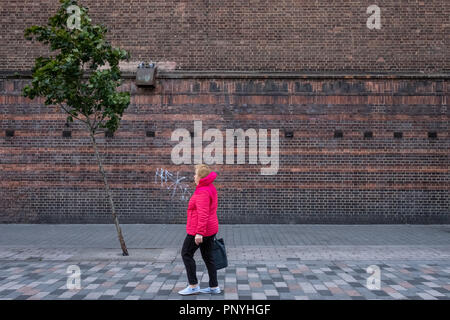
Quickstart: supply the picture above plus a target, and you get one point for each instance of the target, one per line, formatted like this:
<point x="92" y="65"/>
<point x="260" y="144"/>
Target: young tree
<point x="73" y="78"/>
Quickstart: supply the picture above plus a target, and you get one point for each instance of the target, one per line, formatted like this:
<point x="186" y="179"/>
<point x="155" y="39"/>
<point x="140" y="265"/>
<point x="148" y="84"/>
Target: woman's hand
<point x="198" y="239"/>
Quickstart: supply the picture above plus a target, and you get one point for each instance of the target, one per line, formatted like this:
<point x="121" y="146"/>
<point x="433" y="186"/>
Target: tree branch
<point x="100" y="121"/>
<point x="72" y="114"/>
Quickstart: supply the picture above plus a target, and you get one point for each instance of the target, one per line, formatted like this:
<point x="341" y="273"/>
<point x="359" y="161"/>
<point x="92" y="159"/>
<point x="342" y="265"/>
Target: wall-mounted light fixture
<point x="289" y="134"/>
<point x="146" y="74"/>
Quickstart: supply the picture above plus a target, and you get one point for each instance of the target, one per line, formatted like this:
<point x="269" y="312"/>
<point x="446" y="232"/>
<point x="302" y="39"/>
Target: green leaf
<point x="60" y="79"/>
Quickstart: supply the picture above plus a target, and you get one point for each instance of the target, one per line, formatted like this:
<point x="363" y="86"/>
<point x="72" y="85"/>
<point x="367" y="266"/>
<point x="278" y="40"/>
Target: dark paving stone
<point x="164" y="292"/>
<point x="442" y="290"/>
<point x="417" y="282"/>
<point x="277" y="279"/>
<point x="58" y="292"/>
<point x="190" y="297"/>
<point x="99" y="281"/>
<point x="127" y="289"/>
<point x="379" y="293"/>
<point x="6" y="292"/>
<point x="410" y="269"/>
<point x="357" y="285"/>
<point x="325" y="293"/>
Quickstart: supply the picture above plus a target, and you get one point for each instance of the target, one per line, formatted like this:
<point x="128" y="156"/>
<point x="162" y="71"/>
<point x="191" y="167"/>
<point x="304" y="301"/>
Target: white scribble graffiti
<point x="173" y="183"/>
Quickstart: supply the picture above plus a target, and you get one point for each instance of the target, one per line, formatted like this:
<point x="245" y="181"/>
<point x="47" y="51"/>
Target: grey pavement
<point x="172" y="235"/>
<point x="162" y="243"/>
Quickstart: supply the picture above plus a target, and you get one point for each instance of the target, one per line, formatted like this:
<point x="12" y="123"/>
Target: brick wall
<point x="288" y="35"/>
<point x="47" y="178"/>
<point x="292" y="56"/>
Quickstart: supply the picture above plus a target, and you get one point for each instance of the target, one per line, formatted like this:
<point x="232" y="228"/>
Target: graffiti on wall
<point x="173" y="183"/>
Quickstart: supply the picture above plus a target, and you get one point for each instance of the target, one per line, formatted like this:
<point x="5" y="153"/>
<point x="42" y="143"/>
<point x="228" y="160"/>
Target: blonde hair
<point x="202" y="170"/>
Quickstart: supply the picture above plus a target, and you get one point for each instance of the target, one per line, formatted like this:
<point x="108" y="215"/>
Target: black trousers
<point x="187" y="253"/>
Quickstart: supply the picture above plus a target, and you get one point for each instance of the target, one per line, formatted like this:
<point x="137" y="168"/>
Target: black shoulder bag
<point x="219" y="254"/>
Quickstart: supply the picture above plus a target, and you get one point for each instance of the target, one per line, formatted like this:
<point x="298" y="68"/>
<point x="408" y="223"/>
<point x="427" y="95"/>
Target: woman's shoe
<point x="188" y="290"/>
<point x="209" y="290"/>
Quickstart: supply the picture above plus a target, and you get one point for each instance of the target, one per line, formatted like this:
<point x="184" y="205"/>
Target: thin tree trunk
<point x="108" y="191"/>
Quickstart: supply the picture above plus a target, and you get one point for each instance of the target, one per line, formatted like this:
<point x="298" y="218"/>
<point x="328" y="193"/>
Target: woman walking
<point x="202" y="225"/>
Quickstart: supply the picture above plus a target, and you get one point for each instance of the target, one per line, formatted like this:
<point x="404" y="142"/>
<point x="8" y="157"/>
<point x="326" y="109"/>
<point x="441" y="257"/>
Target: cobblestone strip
<point x="241" y="280"/>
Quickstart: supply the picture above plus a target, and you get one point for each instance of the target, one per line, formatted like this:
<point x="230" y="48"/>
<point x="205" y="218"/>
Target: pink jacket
<point x="202" y="208"/>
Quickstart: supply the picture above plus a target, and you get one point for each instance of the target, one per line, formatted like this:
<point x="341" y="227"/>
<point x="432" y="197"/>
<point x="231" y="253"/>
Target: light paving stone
<point x="307" y="287"/>
<point x="132" y="284"/>
<point x="280" y="284"/>
<point x="320" y="287"/>
<point x="93" y="296"/>
<point x="242" y="287"/>
<point x="301" y="297"/>
<point x="271" y="293"/>
<point x="40" y="295"/>
<point x="435" y="293"/>
<point x="231" y="296"/>
<point x="431" y="284"/>
<point x="346" y="277"/>
<point x="258" y="296"/>
<point x="92" y="286"/>
<point x="426" y="296"/>
<point x="330" y="284"/>
<point x="111" y="292"/>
